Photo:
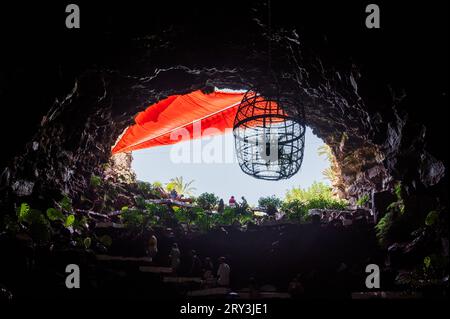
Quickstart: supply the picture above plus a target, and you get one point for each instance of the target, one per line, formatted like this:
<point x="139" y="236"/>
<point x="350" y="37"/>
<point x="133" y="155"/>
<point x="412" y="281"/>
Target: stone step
<point x="182" y="279"/>
<point x="265" y="295"/>
<point x="386" y="295"/>
<point x="123" y="258"/>
<point x="156" y="270"/>
<point x="218" y="291"/>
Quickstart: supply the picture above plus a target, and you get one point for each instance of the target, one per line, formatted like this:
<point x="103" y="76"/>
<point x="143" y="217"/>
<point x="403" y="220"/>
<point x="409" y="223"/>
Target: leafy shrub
<point x="95" y="181"/>
<point x="181" y="187"/>
<point x="383" y="228"/>
<point x="182" y="215"/>
<point x="142" y="219"/>
<point x="144" y="187"/>
<point x="299" y="201"/>
<point x="432" y="218"/>
<point x="270" y="203"/>
<point x="54" y="214"/>
<point x="316" y="190"/>
<point x="157" y="184"/>
<point x="391" y="225"/>
<point x="207" y="201"/>
<point x="203" y="221"/>
<point x="87" y="242"/>
<point x="105" y="240"/>
<point x="295" y="210"/>
<point x="66" y="204"/>
<point x="362" y="201"/>
<point x="227" y="217"/>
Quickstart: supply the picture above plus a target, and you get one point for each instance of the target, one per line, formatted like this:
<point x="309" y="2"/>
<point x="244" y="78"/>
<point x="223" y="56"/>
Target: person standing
<point x="152" y="246"/>
<point x="223" y="273"/>
<point x="175" y="257"/>
<point x="208" y="276"/>
<point x="221" y="206"/>
<point x="196" y="265"/>
<point x="232" y="202"/>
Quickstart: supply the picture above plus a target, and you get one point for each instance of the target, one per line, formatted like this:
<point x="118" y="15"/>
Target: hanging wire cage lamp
<point x="269" y="136"/>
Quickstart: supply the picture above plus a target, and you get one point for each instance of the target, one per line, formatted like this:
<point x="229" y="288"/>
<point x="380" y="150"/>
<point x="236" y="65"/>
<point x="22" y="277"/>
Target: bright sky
<point x="221" y="174"/>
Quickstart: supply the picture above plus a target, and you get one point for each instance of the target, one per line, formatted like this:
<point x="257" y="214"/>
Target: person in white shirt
<point x="152" y="246"/>
<point x="223" y="273"/>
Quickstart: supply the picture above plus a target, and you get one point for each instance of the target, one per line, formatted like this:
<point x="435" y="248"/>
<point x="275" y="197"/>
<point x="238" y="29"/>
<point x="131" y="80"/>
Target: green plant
<point x="295" y="210"/>
<point x="23" y="212"/>
<point x="398" y="190"/>
<point x="182" y="215"/>
<point x="244" y="218"/>
<point x="69" y="220"/>
<point x="54" y="214"/>
<point x="66" y="204"/>
<point x="332" y="172"/>
<point x="393" y="224"/>
<point x="383" y="227"/>
<point x="180" y="186"/>
<point x="299" y="201"/>
<point x="362" y="201"/>
<point x="133" y="218"/>
<point x="35" y="222"/>
<point x="87" y="242"/>
<point x="203" y="221"/>
<point x="144" y="187"/>
<point x="207" y="201"/>
<point x="95" y="181"/>
<point x="317" y="190"/>
<point x="140" y="202"/>
<point x="227" y="217"/>
<point x="432" y="218"/>
<point x="105" y="240"/>
<point x="157" y="184"/>
<point x="270" y="203"/>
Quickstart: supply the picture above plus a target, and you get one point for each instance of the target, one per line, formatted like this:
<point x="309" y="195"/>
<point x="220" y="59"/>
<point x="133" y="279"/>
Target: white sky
<point x="224" y="178"/>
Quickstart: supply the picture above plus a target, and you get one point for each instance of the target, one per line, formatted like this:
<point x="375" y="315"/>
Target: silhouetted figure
<point x="244" y="203"/>
<point x="253" y="288"/>
<point x="221" y="206"/>
<point x="223" y="273"/>
<point x="196" y="265"/>
<point x="315" y="219"/>
<point x="175" y="257"/>
<point x="296" y="288"/>
<point x="208" y="275"/>
<point x="208" y="265"/>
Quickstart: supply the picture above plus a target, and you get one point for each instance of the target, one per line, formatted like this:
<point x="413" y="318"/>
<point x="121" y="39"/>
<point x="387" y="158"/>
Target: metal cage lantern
<point x="269" y="136"/>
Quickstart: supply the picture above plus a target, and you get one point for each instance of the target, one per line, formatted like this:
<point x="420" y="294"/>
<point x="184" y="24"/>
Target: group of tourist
<point x="205" y="269"/>
<point x="233" y="203"/>
<point x="196" y="267"/>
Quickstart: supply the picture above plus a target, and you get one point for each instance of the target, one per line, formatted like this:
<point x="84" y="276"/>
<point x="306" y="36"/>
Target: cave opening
<point x="66" y="198"/>
<point x="208" y="158"/>
<point x="217" y="163"/>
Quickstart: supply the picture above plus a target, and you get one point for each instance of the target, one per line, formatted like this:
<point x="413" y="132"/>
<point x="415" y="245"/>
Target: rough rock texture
<point x="87" y="88"/>
<point x="119" y="168"/>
